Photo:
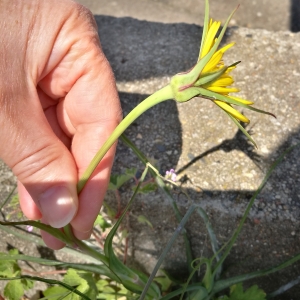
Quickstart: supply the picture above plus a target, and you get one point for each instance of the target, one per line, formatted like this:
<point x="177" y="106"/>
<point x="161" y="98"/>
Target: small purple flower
<point x="29" y="228"/>
<point x="171" y="175"/>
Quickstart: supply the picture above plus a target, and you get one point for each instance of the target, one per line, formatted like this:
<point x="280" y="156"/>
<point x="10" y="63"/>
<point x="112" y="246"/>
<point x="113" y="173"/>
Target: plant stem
<point x="159" y="96"/>
<point x="223" y="284"/>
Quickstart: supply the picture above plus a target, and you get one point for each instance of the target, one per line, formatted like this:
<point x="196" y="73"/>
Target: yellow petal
<point x="213" y="62"/>
<point x="232" y="111"/>
<point x="247" y="102"/>
<point x="225" y="48"/>
<point x="230" y="69"/>
<point x="216" y="58"/>
<point x="209" y="40"/>
<point x="222" y="82"/>
<point x="222" y="90"/>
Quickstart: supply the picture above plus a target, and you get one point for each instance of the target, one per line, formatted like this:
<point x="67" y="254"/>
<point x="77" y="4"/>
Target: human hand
<point x="58" y="105"/>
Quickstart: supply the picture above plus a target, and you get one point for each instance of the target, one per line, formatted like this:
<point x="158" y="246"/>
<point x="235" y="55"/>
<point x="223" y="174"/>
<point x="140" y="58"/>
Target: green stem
<point x="83" y="247"/>
<point x="223" y="284"/>
<point x="159" y="96"/>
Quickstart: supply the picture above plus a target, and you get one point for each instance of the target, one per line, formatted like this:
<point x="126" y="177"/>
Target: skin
<point x="59" y="104"/>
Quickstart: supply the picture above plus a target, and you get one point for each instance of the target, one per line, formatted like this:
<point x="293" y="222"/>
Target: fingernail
<point x="58" y="206"/>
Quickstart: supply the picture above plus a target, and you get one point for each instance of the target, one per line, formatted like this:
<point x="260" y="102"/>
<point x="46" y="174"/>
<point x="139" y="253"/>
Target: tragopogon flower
<point x="210" y="78"/>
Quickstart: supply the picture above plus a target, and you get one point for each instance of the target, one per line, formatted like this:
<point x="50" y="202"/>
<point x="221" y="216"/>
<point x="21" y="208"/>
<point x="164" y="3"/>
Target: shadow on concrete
<point x="266" y="239"/>
<point x="157" y="133"/>
<point x="136" y="52"/>
<point x="295" y="16"/>
<point x="239" y="141"/>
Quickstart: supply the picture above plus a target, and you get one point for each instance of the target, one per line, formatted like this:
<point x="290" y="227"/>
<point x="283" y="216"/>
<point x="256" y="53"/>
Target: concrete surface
<point x="219" y="169"/>
<point x="274" y="15"/>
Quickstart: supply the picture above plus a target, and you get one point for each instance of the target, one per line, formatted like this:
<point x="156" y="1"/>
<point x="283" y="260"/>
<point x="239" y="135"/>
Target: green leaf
<point x="92" y="289"/>
<point x="164" y="281"/>
<point x="14" y="290"/>
<point x="56" y="292"/>
<point x="9" y="267"/>
<point x="82" y="281"/>
<point x="142" y="219"/>
<point x="238" y="124"/>
<point x="27" y="284"/>
<point x="49" y="281"/>
<point x="106" y="290"/>
<point x="53" y="231"/>
<point x="117" y="180"/>
<point x="205" y="27"/>
<point x="101" y="283"/>
<point x="237" y="293"/>
<point x="110" y="290"/>
<point x="147" y="188"/>
<point x="13" y="252"/>
<point x="19" y="215"/>
<point x="15" y="200"/>
<point x="110" y="211"/>
<point x="72" y="278"/>
<point x="212" y="236"/>
<point x="131" y="172"/>
<point x="102" y="222"/>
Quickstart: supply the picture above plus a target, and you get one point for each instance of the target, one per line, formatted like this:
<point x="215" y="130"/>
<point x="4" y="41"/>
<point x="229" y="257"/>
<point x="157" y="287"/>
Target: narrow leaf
<point x="238" y="124"/>
<point x="205" y="27"/>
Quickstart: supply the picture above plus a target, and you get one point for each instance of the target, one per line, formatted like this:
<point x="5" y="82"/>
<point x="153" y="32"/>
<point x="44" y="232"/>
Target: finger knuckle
<point x="35" y="163"/>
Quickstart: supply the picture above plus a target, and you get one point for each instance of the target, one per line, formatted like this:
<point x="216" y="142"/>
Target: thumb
<point x="43" y="166"/>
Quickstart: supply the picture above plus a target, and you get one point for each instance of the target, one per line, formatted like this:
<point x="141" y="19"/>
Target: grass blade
<point x="284" y="288"/>
<point x="167" y="249"/>
<point x="223" y="284"/>
<point x="213" y="238"/>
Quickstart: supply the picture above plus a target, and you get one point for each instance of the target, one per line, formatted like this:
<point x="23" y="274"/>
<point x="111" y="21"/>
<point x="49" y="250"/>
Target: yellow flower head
<point x="210" y="78"/>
